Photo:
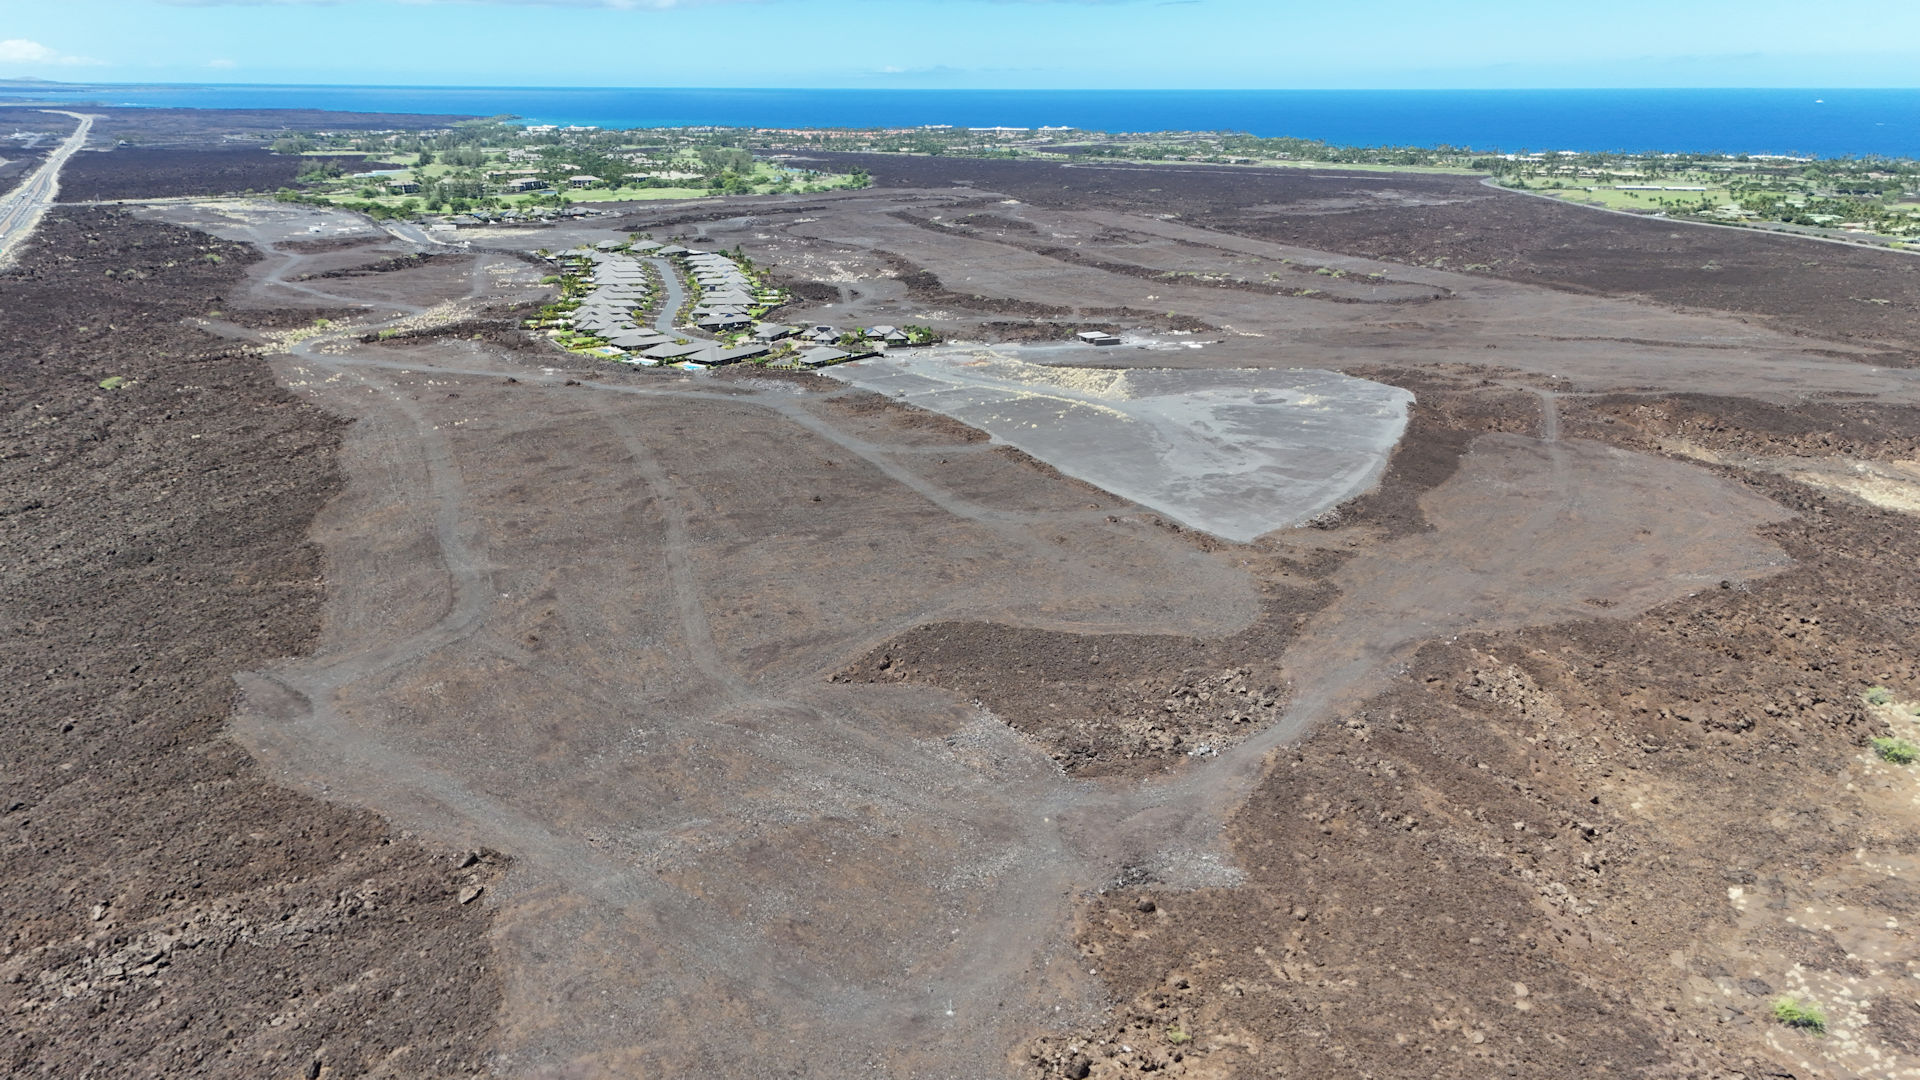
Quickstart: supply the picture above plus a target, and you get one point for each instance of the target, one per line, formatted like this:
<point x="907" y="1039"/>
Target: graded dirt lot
<point x="822" y="736"/>
<point x="1233" y="454"/>
<point x="1426" y="219"/>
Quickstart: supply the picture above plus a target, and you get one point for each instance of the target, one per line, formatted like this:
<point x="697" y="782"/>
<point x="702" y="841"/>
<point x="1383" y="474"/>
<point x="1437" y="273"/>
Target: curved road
<point x="20" y="210"/>
<point x="673" y="295"/>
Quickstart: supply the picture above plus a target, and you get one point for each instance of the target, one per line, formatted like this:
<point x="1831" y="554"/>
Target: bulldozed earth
<point x="402" y="695"/>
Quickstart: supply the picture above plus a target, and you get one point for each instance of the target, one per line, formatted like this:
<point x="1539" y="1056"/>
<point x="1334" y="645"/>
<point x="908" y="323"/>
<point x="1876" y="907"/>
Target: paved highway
<point x="21" y="208"/>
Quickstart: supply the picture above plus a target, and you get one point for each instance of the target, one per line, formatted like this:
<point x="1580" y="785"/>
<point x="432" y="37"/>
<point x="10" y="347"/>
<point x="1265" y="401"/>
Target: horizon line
<point x="34" y="81"/>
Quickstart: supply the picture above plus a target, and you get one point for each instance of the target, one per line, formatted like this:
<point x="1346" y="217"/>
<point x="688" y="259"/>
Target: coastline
<point x="1821" y="122"/>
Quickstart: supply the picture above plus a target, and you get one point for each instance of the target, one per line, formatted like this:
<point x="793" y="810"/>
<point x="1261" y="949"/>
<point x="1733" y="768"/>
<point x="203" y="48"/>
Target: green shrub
<point x="1878" y="695"/>
<point x="1805" y="1015"/>
<point x="113" y="382"/>
<point x="1898" y="751"/>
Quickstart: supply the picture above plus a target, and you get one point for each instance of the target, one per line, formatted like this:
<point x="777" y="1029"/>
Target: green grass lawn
<point x="581" y="195"/>
<point x="1281" y="163"/>
<point x="765" y="179"/>
<point x="1291" y="163"/>
<point x="1647" y="201"/>
<point x="633" y="194"/>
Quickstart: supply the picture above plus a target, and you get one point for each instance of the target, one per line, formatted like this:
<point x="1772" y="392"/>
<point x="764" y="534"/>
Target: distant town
<point x="499" y="169"/>
<point x="494" y="170"/>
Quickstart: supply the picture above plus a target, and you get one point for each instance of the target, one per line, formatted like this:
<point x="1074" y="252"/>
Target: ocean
<point x="1823" y="123"/>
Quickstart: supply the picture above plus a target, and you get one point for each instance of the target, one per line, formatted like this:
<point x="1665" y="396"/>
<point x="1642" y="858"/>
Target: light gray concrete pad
<point x="1234" y="453"/>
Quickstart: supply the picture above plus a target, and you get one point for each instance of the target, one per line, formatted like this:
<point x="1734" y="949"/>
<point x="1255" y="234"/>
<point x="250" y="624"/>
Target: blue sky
<point x="968" y="43"/>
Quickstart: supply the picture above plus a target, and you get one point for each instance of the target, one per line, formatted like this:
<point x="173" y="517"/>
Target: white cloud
<point x="22" y="51"/>
<point x="221" y="64"/>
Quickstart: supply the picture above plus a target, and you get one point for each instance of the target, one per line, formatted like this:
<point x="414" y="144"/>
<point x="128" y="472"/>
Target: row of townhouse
<point x="728" y="295"/>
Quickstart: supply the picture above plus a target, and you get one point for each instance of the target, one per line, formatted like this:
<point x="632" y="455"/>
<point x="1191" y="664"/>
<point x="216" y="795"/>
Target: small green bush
<point x="113" y="382"/>
<point x="1805" y="1015"/>
<point x="1898" y="751"/>
<point x="1878" y="695"/>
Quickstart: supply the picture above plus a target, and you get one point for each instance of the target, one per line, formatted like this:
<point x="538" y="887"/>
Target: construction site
<point x="1361" y="665"/>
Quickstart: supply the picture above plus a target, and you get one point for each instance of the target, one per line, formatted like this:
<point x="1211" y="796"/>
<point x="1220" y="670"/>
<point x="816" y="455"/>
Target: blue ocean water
<point x="1825" y="123"/>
